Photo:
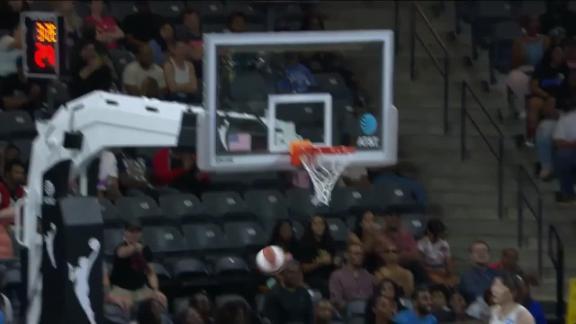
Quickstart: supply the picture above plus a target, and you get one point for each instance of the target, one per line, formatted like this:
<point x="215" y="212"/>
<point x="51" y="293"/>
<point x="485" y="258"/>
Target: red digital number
<point x="44" y="55"/>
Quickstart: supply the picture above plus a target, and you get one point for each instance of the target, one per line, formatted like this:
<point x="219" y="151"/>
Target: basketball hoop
<point x="324" y="165"/>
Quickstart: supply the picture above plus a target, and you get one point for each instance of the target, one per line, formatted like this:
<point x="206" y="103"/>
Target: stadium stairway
<point x="465" y="191"/>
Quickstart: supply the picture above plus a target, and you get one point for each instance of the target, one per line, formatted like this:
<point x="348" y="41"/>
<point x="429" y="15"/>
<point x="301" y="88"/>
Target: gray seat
<point x="190" y="267"/>
<point x="225" y="204"/>
<point x="112" y="238"/>
<point x="161" y="271"/>
<point x="164" y="240"/>
<point x="16" y="124"/>
<point x="300" y="204"/>
<point x="268" y="205"/>
<point x="110" y="214"/>
<point x="167" y="9"/>
<point x="230" y="264"/>
<point x="415" y="223"/>
<point x="356" y="309"/>
<point x="334" y="84"/>
<point x="250" y="86"/>
<point x="245" y="235"/>
<point x="205" y="238"/>
<point x="349" y="200"/>
<point x="142" y="208"/>
<point x="338" y="230"/>
<point x="183" y="207"/>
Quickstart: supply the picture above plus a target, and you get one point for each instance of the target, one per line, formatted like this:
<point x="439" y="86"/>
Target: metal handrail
<point x="443" y="69"/>
<point x="557" y="260"/>
<point x="524" y="181"/>
<point x="497" y="152"/>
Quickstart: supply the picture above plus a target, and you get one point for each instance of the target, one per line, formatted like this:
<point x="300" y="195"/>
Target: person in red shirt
<point x="177" y="168"/>
<point x="107" y="30"/>
<point x="10" y="190"/>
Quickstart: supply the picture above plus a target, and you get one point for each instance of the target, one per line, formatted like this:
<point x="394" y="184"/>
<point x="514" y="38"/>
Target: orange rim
<point x="301" y="147"/>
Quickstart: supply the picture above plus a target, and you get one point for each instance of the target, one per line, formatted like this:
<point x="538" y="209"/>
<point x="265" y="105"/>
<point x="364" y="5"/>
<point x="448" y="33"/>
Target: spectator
<point x="179" y="74"/>
<point x="546" y="83"/>
<point x="283" y="236"/>
<point x="191" y="32"/>
<point x="234" y="311"/>
<point x="142" y="26"/>
<point x="440" y="308"/>
<point x="20" y="93"/>
<point x="479" y="309"/>
<point x="108" y="186"/>
<point x="382" y="311"/>
<point x="10" y="13"/>
<point x="393" y="271"/>
<point x="11" y="189"/>
<point x="391" y="290"/>
<point x="189" y="316"/>
<point x="475" y="281"/>
<point x="10" y="51"/>
<point x="506" y="291"/>
<point x="458" y="306"/>
<point x="402" y="176"/>
<point x="316" y="252"/>
<point x="289" y="302"/>
<point x="201" y="303"/>
<point x="534" y="307"/>
<point x="352" y="281"/>
<point x="237" y="23"/>
<point x="297" y="77"/>
<point x="11" y="152"/>
<point x="143" y="77"/>
<point x="94" y="71"/>
<point x="177" y="169"/>
<point x="160" y="43"/>
<point x="527" y="52"/>
<point x="421" y="312"/>
<point x="368" y="233"/>
<point x="436" y="254"/>
<point x="565" y="141"/>
<point x="508" y="262"/>
<point x="132" y="272"/>
<point x="324" y="312"/>
<point x="72" y="22"/>
<point x="107" y="30"/>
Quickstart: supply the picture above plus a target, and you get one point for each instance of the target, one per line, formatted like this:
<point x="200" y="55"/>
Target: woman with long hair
<point x="506" y="293"/>
<point x="368" y="234"/>
<point x="283" y="236"/>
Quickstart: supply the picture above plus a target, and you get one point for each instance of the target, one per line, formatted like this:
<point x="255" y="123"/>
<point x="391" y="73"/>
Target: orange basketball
<point x="270" y="259"/>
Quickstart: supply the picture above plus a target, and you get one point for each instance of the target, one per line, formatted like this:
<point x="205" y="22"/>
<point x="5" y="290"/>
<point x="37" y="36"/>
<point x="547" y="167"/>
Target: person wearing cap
<point x="132" y="273"/>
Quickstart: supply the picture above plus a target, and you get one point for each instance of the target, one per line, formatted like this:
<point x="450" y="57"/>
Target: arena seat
<point x="356" y="309"/>
<point x="205" y="238"/>
<point x="384" y="196"/>
<point x="334" y="84"/>
<point x="142" y="208"/>
<point x="120" y="58"/>
<point x="112" y="238"/>
<point x="268" y="205"/>
<point x="231" y="268"/>
<point x="184" y="208"/>
<point x="191" y="272"/>
<point x="226" y="205"/>
<point x="250" y="86"/>
<point x="338" y="230"/>
<point x="121" y="9"/>
<point x="110" y="214"/>
<point x="247" y="236"/>
<point x="161" y="272"/>
<point x="300" y="204"/>
<point x="298" y="229"/>
<point x="164" y="241"/>
<point x="16" y="124"/>
<point x="346" y="200"/>
<point x="168" y="9"/>
<point x="415" y="223"/>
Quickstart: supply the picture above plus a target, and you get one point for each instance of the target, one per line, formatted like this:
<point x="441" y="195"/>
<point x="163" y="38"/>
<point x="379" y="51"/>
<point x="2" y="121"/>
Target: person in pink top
<point x="107" y="30"/>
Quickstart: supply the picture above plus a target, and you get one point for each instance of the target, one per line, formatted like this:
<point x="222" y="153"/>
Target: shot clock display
<point x="43" y="40"/>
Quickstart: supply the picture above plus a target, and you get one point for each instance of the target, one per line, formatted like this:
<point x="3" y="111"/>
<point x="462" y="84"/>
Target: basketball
<point x="270" y="259"/>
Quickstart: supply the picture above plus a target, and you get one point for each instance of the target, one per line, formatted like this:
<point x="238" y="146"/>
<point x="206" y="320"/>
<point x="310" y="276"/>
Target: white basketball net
<point x="324" y="171"/>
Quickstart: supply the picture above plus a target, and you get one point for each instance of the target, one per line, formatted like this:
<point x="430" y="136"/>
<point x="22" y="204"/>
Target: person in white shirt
<point x="143" y="77"/>
<point x="506" y="290"/>
<point x="10" y="51"/>
<point x="180" y="74"/>
<point x="565" y="141"/>
<point x="107" y="185"/>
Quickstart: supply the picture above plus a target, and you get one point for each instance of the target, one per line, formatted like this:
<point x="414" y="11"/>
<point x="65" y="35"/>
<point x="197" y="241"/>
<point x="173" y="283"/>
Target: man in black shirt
<point x="289" y="301"/>
<point x="132" y="273"/>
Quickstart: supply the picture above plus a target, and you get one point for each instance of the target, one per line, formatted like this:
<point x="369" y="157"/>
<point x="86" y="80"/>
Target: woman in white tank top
<point x="179" y="73"/>
<point x="506" y="290"/>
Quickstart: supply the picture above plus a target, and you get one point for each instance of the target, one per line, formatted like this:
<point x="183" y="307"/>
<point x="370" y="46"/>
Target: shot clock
<point x="43" y="44"/>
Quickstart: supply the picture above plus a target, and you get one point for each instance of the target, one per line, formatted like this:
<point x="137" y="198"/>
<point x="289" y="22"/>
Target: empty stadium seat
<point x="356" y="309"/>
<point x="338" y="230"/>
<point x="334" y="84"/>
<point x="183" y="207"/>
<point x="268" y="205"/>
<point x="250" y="86"/>
<point x="110" y="214"/>
<point x="300" y="204"/>
<point x="164" y="240"/>
<point x="167" y="9"/>
<point x="205" y="238"/>
<point x="245" y="235"/>
<point x="415" y="223"/>
<point x="225" y="204"/>
<point x="143" y="208"/>
<point x="190" y="268"/>
<point x="383" y="196"/>
<point x="16" y="124"/>
<point x="121" y="9"/>
<point x="112" y="238"/>
<point x="161" y="271"/>
<point x="230" y="265"/>
<point x="349" y="200"/>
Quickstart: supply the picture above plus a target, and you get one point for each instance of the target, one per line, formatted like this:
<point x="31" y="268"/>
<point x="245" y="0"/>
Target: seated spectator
<point x="316" y="252"/>
<point x="297" y="77"/>
<point x="107" y="30"/>
<point x="383" y="311"/>
<point x="132" y="273"/>
<point x="237" y="23"/>
<point x="141" y="26"/>
<point x="107" y="185"/>
<point x="160" y="43"/>
<point x="407" y="247"/>
<point x="436" y="254"/>
<point x="179" y="74"/>
<point x="188" y="316"/>
<point x="422" y="309"/>
<point x="393" y="271"/>
<point x="351" y="282"/>
<point x="534" y="307"/>
<point x="440" y="308"/>
<point x="475" y="281"/>
<point x="10" y="51"/>
<point x="20" y="93"/>
<point x="10" y="13"/>
<point x="143" y="77"/>
<point x="11" y="189"/>
<point x="479" y="309"/>
<point x="94" y="71"/>
<point x="458" y="306"/>
<point x="283" y="236"/>
<point x="546" y="83"/>
<point x="368" y="233"/>
<point x="117" y="308"/>
<point x="506" y="290"/>
<point x="565" y="141"/>
<point x="202" y="304"/>
<point x="527" y="52"/>
<point x="177" y="169"/>
<point x="391" y="290"/>
<point x="403" y="176"/>
<point x="324" y="312"/>
<point x="235" y="311"/>
<point x="289" y="302"/>
<point x="508" y="262"/>
<point x="191" y="32"/>
<point x="73" y="25"/>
